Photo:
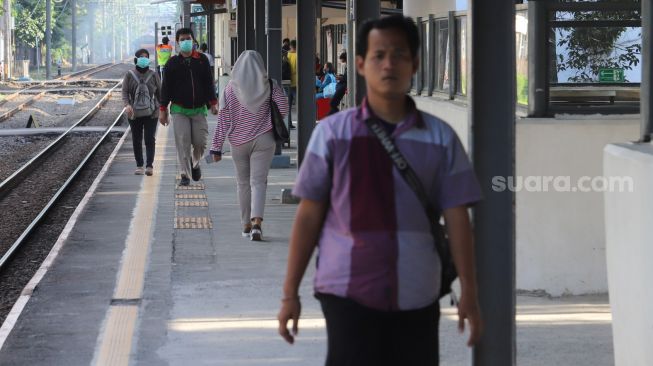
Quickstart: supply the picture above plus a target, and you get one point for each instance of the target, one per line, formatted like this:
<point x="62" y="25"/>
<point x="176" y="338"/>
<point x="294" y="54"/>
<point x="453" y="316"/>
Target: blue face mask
<point x="186" y="46"/>
<point x="143" y="62"/>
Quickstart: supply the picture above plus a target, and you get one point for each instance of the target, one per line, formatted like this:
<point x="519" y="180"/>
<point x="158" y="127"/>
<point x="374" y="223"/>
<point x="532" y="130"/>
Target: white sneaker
<point x="139" y="171"/>
<point x="246" y="232"/>
<point x="149" y="171"/>
<point x="256" y="234"/>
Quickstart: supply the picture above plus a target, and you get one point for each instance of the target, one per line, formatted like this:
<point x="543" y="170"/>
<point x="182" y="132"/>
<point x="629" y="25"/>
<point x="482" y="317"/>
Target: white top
<point x="210" y="57"/>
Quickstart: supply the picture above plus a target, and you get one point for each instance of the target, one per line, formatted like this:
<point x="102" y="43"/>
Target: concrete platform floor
<point x="210" y="297"/>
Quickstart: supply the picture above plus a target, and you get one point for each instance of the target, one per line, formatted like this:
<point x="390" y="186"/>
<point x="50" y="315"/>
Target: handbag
<point x="279" y="128"/>
<point x="448" y="273"/>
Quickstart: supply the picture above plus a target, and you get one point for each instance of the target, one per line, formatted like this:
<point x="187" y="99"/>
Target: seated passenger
<point x="327" y="87"/>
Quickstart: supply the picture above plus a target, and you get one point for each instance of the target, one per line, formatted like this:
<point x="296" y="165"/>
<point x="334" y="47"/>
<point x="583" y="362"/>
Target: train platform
<point x="151" y="273"/>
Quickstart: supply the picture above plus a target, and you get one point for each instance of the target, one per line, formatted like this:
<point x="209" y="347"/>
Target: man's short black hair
<point x="181" y="31"/>
<point x="400" y="22"/>
<point x="204" y="47"/>
<point x="165" y="40"/>
<point x="343" y="56"/>
<point x="285" y="40"/>
<point x="293" y="44"/>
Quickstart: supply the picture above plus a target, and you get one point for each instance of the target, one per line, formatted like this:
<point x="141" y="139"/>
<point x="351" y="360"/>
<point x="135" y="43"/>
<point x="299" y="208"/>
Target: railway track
<point x="52" y="86"/>
<point x="12" y="183"/>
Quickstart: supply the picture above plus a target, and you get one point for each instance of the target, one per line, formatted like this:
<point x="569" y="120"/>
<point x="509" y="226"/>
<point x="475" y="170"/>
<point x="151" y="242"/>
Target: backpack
<point x="330" y="89"/>
<point x="142" y="103"/>
<point x="285" y="70"/>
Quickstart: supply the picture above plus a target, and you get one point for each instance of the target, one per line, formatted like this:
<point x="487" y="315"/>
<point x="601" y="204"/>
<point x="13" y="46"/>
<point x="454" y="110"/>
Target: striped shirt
<point x="376" y="246"/>
<point x="241" y="125"/>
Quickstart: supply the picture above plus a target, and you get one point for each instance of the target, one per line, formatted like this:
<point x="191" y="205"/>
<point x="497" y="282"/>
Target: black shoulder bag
<point x="279" y="128"/>
<point x="449" y="273"/>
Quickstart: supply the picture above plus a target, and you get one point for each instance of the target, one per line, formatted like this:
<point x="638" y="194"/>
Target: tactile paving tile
<point x="190" y="196"/>
<point x="192" y="187"/>
<point x="191" y="203"/>
<point x="202" y="222"/>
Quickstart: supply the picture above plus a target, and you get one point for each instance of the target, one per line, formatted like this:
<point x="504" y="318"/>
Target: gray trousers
<point x="252" y="161"/>
<point x="190" y="138"/>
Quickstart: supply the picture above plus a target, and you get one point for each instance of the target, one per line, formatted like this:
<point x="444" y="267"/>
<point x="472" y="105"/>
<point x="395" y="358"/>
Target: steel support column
<point x="250" y="35"/>
<point x="492" y="94"/>
<point x="242" y="27"/>
<point x="186" y="14"/>
<point x="156" y="44"/>
<point x="363" y="10"/>
<point x="351" y="57"/>
<point x="305" y="75"/>
<point x="261" y="35"/>
<point x="274" y="39"/>
<point x="537" y="58"/>
<point x="646" y="97"/>
<point x="210" y="28"/>
<point x="273" y="31"/>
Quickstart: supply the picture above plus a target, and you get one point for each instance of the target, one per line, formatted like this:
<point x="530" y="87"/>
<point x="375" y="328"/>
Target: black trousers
<point x="138" y="126"/>
<point x="360" y="336"/>
<point x="341" y="88"/>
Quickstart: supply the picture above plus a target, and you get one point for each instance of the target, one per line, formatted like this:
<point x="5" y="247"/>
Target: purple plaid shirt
<point x="375" y="246"/>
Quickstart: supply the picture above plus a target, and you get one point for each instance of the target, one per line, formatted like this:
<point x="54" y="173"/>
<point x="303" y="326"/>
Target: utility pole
<point x="91" y="31"/>
<point x="7" y="39"/>
<point x="128" y="27"/>
<point x="73" y="37"/>
<point x="105" y="46"/>
<point x="113" y="34"/>
<point x="48" y="39"/>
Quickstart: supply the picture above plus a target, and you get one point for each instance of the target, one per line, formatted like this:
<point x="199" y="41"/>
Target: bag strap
<point x="271" y="87"/>
<point x="411" y="178"/>
<point x="139" y="79"/>
<point x="149" y="76"/>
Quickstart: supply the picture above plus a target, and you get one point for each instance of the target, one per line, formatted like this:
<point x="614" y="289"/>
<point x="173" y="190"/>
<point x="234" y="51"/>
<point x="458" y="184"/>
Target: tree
<point x="589" y="49"/>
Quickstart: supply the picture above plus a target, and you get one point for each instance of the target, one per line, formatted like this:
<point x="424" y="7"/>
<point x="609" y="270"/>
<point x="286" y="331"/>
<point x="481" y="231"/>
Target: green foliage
<point x="522" y="89"/>
<point x="30" y="21"/>
<point x="589" y="49"/>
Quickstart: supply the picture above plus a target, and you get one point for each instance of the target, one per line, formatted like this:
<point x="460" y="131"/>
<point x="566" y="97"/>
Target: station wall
<point x="560" y="236"/>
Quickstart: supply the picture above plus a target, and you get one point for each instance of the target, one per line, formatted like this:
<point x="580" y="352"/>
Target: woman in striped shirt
<point x="245" y="118"/>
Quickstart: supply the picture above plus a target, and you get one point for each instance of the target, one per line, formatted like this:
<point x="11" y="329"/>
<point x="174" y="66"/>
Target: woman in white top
<point x="245" y="118"/>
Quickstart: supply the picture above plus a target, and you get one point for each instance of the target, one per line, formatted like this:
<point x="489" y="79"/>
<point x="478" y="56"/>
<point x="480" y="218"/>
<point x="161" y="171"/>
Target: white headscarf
<point x="249" y="81"/>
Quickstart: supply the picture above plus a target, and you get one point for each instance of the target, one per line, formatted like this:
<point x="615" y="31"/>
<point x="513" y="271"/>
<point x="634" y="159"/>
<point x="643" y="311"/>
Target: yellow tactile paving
<point x="190" y="196"/>
<point x="114" y="344"/>
<point x="191" y="204"/>
<point x="118" y="336"/>
<point x="192" y="187"/>
<point x="202" y="222"/>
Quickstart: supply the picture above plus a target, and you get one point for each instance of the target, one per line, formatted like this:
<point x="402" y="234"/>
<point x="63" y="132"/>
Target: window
<point x="521" y="50"/>
<point x="594" y="55"/>
<point x="461" y="55"/>
<point x="441" y="62"/>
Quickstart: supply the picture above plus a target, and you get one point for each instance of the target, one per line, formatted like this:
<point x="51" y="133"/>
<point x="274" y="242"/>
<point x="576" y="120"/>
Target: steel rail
<point x="14" y="95"/>
<point x="85" y="71"/>
<point x="86" y="76"/>
<point x="21" y="106"/>
<point x="22" y="238"/>
<point x="17" y="176"/>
